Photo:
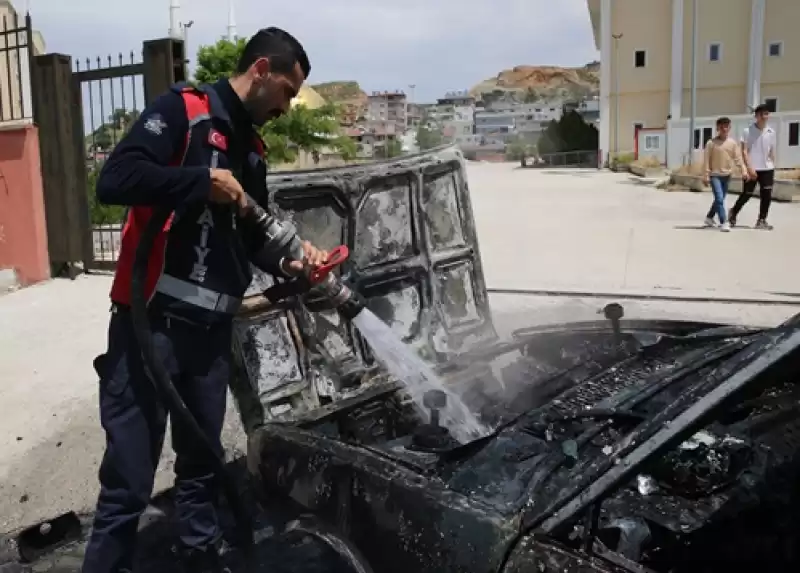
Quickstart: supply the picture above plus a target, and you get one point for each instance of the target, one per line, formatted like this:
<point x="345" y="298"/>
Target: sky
<point x="437" y="45"/>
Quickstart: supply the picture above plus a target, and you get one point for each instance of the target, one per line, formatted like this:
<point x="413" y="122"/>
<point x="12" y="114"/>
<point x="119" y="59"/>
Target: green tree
<point x="301" y="128"/>
<point x="123" y="118"/>
<point x="102" y="137"/>
<point x="428" y="134"/>
<point x="98" y="213"/>
<point x="570" y="133"/>
<point x="519" y="148"/>
<point x="393" y="148"/>
<point x="218" y="60"/>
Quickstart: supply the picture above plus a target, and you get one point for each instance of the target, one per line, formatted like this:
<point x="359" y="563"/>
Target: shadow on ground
<point x="704" y="228"/>
<point x="274" y="552"/>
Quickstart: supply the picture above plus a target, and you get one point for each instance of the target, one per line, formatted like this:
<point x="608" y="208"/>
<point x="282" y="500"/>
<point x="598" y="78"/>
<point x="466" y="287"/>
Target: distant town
<point x="483" y="125"/>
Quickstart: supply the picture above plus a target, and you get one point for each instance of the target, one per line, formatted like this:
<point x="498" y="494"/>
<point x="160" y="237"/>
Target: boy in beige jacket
<point x="722" y="154"/>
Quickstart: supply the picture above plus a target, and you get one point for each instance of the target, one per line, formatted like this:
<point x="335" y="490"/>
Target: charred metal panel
<point x="414" y="255"/>
<point x="534" y="555"/>
<point x="400" y="520"/>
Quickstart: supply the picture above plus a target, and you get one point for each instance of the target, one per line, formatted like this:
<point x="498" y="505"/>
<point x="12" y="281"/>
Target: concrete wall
<point x="721" y="85"/>
<point x="780" y="75"/>
<point x="744" y="73"/>
<point x="23" y="231"/>
<point x="652" y="143"/>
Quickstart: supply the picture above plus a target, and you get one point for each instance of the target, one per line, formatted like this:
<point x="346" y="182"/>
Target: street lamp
<point x="186" y="27"/>
<point x="617" y="38"/>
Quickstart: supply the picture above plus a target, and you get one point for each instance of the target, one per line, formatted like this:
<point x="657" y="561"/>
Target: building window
<point x="771" y="103"/>
<point x="640" y="58"/>
<point x="794" y="134"/>
<point x="775" y="49"/>
<point x="652" y="142"/>
<point x="701" y="137"/>
<point x="714" y="52"/>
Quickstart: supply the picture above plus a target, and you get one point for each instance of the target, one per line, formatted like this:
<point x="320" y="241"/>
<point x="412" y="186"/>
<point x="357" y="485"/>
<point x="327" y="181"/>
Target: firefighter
<point x="194" y="150"/>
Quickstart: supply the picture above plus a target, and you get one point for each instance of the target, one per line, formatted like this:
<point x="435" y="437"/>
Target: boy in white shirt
<point x="758" y="149"/>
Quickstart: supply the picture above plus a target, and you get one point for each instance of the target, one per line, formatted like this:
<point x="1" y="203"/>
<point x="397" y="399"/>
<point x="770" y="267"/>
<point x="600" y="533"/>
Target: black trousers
<point x="131" y="413"/>
<point x="765" y="181"/>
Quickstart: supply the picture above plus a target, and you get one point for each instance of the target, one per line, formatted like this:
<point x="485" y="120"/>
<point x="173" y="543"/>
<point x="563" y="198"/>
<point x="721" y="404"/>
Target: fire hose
<point x="281" y="243"/>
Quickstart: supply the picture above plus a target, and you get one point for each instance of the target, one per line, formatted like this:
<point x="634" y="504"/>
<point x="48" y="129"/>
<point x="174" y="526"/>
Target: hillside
<point x="528" y="83"/>
<point x="347" y="95"/>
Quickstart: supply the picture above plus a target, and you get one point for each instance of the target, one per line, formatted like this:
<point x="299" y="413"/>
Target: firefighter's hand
<point x="314" y="257"/>
<point x="226" y="189"/>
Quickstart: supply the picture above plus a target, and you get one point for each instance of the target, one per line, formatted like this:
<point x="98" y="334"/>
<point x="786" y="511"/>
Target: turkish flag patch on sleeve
<point x="218" y="140"/>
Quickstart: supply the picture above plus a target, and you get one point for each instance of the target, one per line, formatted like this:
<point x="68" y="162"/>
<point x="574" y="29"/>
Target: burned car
<point x="615" y="445"/>
<point x="608" y="446"/>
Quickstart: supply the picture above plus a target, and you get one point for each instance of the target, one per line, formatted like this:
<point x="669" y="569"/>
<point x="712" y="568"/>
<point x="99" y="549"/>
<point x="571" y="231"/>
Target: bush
<point x="100" y="214"/>
<point x="649" y="162"/>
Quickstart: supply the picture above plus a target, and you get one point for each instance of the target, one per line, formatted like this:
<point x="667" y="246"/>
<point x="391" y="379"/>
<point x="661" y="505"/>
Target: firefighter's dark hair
<point x="281" y="48"/>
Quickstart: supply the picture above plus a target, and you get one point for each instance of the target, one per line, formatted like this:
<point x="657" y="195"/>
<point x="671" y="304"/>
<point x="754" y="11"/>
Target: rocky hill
<point x="340" y="91"/>
<point x="347" y="95"/>
<point x="530" y="83"/>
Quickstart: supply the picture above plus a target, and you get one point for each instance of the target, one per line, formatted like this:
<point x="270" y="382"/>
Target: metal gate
<point x="82" y="109"/>
<point x="112" y="94"/>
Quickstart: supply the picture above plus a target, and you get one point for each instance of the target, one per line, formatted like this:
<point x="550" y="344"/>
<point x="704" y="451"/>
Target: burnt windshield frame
<point x="673" y="425"/>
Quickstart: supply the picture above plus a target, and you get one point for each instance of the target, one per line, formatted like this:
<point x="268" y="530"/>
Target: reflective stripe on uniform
<point x="196" y="295"/>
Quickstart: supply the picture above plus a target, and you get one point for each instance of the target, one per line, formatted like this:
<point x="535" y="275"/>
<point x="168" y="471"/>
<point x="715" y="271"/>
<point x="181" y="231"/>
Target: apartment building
<point x="510" y="120"/>
<point x="388" y="106"/>
<point x="747" y="53"/>
<point x="455" y="114"/>
<point x="15" y="88"/>
<point x="372" y="137"/>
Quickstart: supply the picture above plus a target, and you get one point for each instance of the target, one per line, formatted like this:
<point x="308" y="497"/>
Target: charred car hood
<point x="414" y="256"/>
<point x="590" y="421"/>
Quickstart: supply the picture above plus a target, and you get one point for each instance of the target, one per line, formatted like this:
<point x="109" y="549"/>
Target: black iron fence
<point x="112" y="92"/>
<point x="587" y="158"/>
<point x="16" y="57"/>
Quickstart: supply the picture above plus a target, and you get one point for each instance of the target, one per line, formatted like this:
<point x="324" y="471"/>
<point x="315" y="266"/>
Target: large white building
<point x="747" y="53"/>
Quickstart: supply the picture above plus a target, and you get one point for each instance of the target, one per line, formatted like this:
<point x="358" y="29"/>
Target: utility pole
<point x="617" y="38"/>
<point x="693" y="111"/>
<point x="409" y="103"/>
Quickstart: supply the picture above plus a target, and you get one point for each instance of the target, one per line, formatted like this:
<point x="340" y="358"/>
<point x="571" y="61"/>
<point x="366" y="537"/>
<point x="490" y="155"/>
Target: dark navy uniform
<point x="197" y="277"/>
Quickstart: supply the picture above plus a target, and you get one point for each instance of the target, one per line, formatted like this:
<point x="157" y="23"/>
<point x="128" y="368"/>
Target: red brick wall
<point x="23" y="230"/>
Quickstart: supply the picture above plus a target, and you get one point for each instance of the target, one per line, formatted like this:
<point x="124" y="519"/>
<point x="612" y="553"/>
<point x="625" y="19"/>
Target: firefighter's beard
<point x="259" y="103"/>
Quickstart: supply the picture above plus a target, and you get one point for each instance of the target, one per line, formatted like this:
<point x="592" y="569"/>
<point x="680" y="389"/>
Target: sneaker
<point x="732" y="220"/>
<point x="725" y="227"/>
<point x="709" y="222"/>
<point x="763" y="225"/>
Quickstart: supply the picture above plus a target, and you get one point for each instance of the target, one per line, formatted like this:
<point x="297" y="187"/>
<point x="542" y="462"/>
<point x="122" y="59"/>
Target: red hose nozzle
<point x="335" y="258"/>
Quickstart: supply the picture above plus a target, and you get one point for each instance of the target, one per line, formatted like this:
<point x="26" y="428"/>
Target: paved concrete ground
<point x="568" y="231"/>
<point x="590" y="231"/>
